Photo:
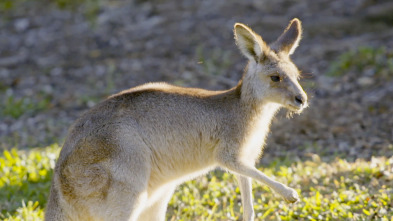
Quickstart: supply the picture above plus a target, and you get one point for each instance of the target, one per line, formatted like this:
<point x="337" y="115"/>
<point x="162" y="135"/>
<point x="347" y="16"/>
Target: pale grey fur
<point x="123" y="159"/>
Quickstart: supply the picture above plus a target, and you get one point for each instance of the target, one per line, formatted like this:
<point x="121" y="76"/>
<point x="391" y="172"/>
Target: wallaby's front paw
<point x="290" y="195"/>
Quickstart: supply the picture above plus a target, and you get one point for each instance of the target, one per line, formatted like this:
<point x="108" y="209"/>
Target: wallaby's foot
<point x="290" y="195"/>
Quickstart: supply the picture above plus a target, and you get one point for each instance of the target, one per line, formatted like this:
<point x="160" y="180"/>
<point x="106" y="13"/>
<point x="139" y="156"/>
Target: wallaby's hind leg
<point x="245" y="187"/>
<point x="127" y="194"/>
<point x="125" y="202"/>
<point x="157" y="211"/>
<point x="122" y="206"/>
<point x="122" y="200"/>
<point x="105" y="177"/>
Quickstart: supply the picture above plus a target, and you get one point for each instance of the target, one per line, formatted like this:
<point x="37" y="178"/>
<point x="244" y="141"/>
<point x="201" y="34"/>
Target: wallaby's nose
<point x="299" y="99"/>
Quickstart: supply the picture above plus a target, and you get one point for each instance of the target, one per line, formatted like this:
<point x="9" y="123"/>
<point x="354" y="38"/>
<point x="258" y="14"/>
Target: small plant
<point x="24" y="177"/>
<point x="89" y="8"/>
<point x="31" y="211"/>
<point x="16" y="107"/>
<point x="6" y="5"/>
<point x="378" y="60"/>
<point x="214" y="61"/>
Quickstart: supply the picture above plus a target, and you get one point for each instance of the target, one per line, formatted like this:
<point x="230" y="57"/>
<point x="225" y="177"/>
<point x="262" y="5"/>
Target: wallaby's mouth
<point x="293" y="109"/>
<point x="297" y="108"/>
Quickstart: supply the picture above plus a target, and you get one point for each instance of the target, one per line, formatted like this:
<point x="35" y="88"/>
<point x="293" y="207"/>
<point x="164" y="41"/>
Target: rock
<point x="365" y="81"/>
<point x="381" y="11"/>
<point x="21" y="24"/>
<point x="12" y="60"/>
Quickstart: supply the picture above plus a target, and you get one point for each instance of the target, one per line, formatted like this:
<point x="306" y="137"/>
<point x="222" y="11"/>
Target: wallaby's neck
<point x="252" y="110"/>
<point x="253" y="97"/>
<point x="254" y="117"/>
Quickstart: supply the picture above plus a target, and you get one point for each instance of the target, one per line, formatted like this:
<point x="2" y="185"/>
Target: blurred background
<point x="58" y="58"/>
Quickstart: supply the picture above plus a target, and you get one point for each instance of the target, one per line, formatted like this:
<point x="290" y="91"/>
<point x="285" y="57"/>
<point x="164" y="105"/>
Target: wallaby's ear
<point x="289" y="39"/>
<point x="250" y="44"/>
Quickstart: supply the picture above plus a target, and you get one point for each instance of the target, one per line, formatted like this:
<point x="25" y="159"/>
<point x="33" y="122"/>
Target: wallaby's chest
<point x="256" y="134"/>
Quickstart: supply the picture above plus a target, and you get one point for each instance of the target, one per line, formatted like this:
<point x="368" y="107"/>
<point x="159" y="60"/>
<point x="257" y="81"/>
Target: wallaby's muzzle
<point x="300" y="101"/>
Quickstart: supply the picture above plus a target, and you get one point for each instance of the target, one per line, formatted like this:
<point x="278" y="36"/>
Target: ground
<point x="55" y="64"/>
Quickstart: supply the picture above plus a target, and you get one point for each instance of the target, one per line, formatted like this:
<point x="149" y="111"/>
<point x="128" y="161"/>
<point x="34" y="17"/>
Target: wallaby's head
<point x="271" y="76"/>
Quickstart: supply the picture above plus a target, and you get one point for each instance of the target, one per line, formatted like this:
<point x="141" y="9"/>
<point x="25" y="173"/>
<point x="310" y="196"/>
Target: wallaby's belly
<point x="159" y="185"/>
<point x="180" y="150"/>
<point x="178" y="166"/>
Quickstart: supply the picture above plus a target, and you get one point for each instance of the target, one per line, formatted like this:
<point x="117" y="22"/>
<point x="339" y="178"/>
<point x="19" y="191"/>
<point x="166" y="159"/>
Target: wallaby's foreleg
<point x="289" y="194"/>
<point x="245" y="187"/>
<point x="238" y="167"/>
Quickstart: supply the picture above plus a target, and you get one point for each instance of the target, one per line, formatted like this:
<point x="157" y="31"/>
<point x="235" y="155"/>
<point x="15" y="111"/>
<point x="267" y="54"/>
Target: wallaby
<point x="123" y="159"/>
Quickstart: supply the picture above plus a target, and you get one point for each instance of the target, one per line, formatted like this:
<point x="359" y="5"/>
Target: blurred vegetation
<point x="376" y="61"/>
<point x="336" y="191"/>
<point x="90" y="8"/>
<point x="25" y="181"/>
<point x="16" y="107"/>
<point x="6" y="5"/>
<point x="214" y="61"/>
<point x="339" y="190"/>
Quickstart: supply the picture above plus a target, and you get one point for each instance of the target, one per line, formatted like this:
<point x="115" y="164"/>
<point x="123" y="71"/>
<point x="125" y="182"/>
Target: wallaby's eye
<point x="275" y="78"/>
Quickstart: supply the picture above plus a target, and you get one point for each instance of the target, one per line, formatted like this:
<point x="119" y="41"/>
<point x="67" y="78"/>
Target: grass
<point x="7" y="5"/>
<point x="339" y="190"/>
<point x="25" y="181"/>
<point x="365" y="61"/>
<point x="16" y="107"/>
<point x="214" y="61"/>
<point x="89" y="8"/>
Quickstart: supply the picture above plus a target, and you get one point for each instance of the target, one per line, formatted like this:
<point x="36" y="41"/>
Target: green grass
<point x="6" y="5"/>
<point x="364" y="61"/>
<point x="214" y="61"/>
<point x="89" y="8"/>
<point x="16" y="107"/>
<point x="338" y="190"/>
<point x="25" y="181"/>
